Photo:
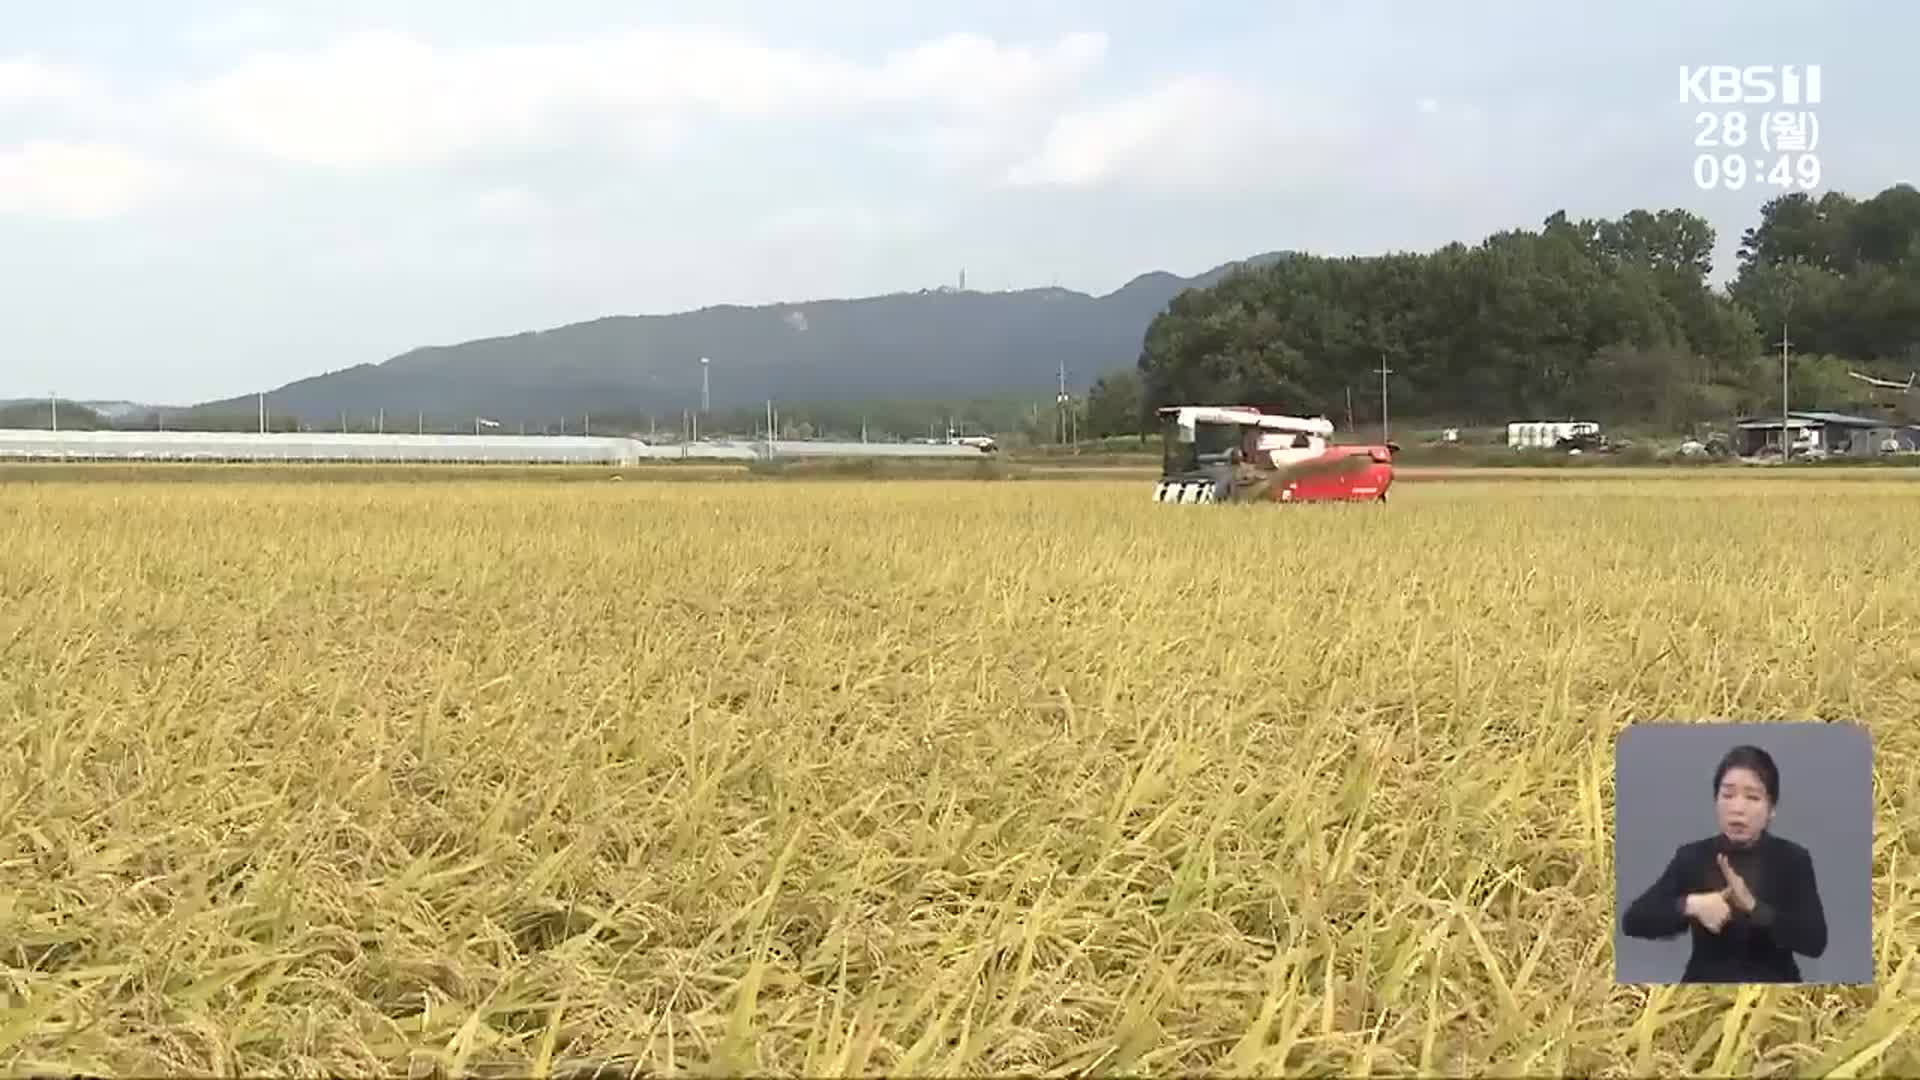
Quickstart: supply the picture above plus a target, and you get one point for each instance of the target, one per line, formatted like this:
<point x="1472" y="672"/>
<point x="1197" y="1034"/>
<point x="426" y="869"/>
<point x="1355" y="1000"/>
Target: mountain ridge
<point x="925" y="344"/>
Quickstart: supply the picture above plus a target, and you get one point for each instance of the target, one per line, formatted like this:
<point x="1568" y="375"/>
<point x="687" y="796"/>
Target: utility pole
<point x="1349" y="410"/>
<point x="380" y="425"/>
<point x="1383" y="371"/>
<point x="706" y="400"/>
<point x="770" y="434"/>
<point x="1786" y="438"/>
<point x="1060" y="401"/>
<point x="263" y="414"/>
<point x="1786" y="316"/>
<point x="54" y="400"/>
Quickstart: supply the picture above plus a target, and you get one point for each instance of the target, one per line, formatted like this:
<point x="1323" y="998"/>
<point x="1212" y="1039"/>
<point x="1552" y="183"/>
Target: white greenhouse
<point x="1544" y="435"/>
<point x="787" y="448"/>
<point x="21" y="444"/>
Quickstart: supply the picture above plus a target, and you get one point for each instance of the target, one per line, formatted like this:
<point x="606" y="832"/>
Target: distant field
<point x="920" y="779"/>
<point x="1090" y="467"/>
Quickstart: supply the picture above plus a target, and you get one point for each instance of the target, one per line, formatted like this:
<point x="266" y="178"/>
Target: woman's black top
<point x="1753" y="947"/>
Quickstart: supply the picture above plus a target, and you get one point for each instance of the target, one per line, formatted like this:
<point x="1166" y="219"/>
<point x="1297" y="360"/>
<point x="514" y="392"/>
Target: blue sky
<point x="199" y="200"/>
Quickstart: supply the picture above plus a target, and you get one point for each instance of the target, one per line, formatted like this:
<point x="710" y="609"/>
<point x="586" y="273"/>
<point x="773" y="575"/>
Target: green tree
<point x="39" y="415"/>
<point x="1842" y="275"/>
<point x="1116" y="406"/>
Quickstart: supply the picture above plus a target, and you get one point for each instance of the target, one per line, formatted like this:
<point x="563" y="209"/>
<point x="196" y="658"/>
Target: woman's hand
<point x="1709" y="909"/>
<point x="1736" y="891"/>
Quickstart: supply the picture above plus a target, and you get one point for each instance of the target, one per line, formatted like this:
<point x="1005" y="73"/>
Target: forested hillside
<point x="1609" y="319"/>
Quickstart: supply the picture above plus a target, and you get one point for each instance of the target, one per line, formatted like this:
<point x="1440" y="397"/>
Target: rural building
<point x="1821" y="433"/>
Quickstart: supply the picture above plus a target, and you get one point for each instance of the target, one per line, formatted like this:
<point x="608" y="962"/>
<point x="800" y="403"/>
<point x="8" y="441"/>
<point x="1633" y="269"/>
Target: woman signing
<point x="1749" y="897"/>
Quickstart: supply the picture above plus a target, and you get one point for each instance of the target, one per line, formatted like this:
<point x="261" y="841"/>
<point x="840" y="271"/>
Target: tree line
<point x="1610" y="320"/>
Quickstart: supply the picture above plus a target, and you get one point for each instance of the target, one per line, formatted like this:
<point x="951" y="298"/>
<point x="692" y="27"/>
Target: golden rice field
<point x="941" y="778"/>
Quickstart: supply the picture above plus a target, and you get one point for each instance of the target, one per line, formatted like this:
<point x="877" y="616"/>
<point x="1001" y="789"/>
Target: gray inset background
<point x="1663" y="797"/>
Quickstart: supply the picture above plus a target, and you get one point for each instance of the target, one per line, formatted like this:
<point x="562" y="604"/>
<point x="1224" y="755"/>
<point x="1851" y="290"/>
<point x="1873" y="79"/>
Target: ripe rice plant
<point x="939" y="778"/>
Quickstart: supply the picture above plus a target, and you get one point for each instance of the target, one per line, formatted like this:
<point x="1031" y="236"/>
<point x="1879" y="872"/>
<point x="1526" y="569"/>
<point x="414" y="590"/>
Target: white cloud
<point x="27" y="81"/>
<point x="77" y="181"/>
<point x="848" y="219"/>
<point x="1195" y="135"/>
<point x="1208" y="136"/>
<point x="970" y="71"/>
<point x="966" y="145"/>
<point x="387" y="101"/>
<point x="504" y="204"/>
<point x="233" y="29"/>
<point x="383" y="99"/>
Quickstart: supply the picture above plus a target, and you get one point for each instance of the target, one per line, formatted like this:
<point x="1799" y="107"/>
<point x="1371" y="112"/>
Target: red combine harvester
<point x="1236" y="453"/>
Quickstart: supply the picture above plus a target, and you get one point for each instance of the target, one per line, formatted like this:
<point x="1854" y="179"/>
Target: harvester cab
<point x="1198" y="455"/>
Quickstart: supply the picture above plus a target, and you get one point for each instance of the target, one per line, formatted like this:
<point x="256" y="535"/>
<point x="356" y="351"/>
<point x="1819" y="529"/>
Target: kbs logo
<point x="1766" y="84"/>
